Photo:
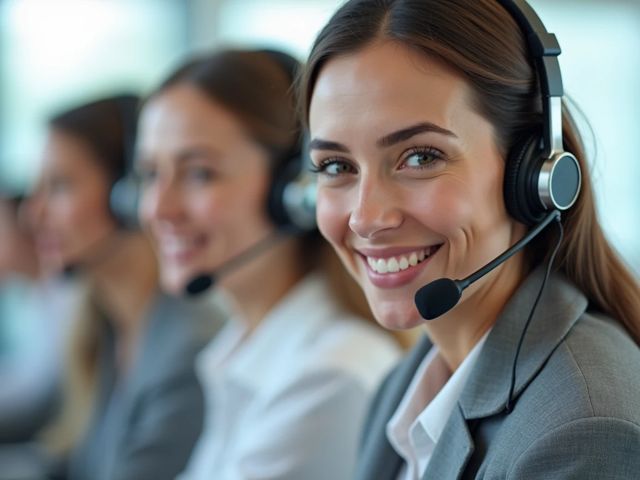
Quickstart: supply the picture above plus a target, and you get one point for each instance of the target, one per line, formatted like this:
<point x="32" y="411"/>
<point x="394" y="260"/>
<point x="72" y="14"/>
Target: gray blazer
<point x="577" y="410"/>
<point x="145" y="426"/>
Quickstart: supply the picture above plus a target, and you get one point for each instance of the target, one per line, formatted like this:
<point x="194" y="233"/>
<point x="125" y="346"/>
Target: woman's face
<point x="205" y="184"/>
<point x="410" y="182"/>
<point x="69" y="208"/>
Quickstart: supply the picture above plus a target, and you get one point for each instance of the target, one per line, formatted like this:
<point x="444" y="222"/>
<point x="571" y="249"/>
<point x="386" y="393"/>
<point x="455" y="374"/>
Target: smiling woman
<point x="437" y="133"/>
<point x="424" y="142"/>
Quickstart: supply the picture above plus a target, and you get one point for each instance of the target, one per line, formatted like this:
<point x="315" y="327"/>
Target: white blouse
<point x="288" y="402"/>
<point x="415" y="428"/>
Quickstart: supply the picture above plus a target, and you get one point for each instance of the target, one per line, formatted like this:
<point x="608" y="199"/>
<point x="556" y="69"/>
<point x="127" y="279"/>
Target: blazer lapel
<point x="560" y="307"/>
<point x="378" y="460"/>
<point x="453" y="450"/>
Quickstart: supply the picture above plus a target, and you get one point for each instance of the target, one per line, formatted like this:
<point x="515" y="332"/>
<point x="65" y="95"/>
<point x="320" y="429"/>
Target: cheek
<point x="443" y="206"/>
<point x="332" y="213"/>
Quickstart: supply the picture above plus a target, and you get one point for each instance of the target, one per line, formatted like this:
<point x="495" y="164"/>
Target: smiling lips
<point x="392" y="271"/>
<point x="179" y="248"/>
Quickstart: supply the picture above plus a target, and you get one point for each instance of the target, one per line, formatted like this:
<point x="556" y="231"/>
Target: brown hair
<point x="80" y="382"/>
<point x="484" y="44"/>
<point x="255" y="87"/>
<point x="107" y="126"/>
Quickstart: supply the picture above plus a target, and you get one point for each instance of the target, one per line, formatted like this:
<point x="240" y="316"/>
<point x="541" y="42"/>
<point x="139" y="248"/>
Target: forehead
<point x="64" y="150"/>
<point x="383" y="85"/>
<point x="183" y="111"/>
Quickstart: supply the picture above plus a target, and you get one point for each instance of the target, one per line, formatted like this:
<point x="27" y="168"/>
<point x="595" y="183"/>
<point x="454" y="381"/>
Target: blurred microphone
<point x="204" y="281"/>
<point x="440" y="296"/>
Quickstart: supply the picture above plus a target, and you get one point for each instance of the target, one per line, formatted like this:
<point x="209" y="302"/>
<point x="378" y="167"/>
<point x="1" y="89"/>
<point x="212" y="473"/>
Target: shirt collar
<point x="434" y="418"/>
<point x="413" y="430"/>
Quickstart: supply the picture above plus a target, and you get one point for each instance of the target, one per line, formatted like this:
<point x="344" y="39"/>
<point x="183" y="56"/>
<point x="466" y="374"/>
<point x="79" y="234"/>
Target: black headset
<point x="291" y="198"/>
<point x="125" y="192"/>
<point x="540" y="175"/>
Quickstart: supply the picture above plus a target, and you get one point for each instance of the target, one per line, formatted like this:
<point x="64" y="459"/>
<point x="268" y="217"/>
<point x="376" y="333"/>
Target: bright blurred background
<point x="53" y="53"/>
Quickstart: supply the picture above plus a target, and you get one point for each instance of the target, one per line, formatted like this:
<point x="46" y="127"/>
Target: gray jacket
<point x="145" y="425"/>
<point x="577" y="391"/>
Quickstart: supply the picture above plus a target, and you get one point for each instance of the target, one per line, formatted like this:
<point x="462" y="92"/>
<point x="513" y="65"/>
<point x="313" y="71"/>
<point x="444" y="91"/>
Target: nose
<point x="32" y="212"/>
<point x="160" y="203"/>
<point x="376" y="209"/>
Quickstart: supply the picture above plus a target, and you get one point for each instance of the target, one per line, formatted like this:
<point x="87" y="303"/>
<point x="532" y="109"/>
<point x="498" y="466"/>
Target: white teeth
<point x="174" y="245"/>
<point x="393" y="265"/>
<point x="397" y="264"/>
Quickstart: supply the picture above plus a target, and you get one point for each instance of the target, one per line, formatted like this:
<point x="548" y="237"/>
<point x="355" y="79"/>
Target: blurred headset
<point x="125" y="192"/>
<point x="292" y="195"/>
<point x="540" y="175"/>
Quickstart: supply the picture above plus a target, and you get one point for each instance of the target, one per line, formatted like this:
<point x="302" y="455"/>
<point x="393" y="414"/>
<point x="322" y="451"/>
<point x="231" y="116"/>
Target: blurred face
<point x="410" y="178"/>
<point x="12" y="239"/>
<point x="69" y="208"/>
<point x="205" y="184"/>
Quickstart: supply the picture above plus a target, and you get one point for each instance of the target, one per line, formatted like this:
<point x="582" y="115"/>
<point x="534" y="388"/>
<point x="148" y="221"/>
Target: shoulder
<point x="580" y="412"/>
<point x="594" y="372"/>
<point x="323" y="337"/>
<point x="592" y="447"/>
<point x="176" y="331"/>
<point x="349" y="346"/>
<point x="599" y="365"/>
<point x="181" y="326"/>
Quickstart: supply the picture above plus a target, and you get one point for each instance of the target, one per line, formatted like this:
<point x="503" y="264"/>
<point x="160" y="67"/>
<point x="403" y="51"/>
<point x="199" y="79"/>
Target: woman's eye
<point x="60" y="184"/>
<point x="200" y="174"/>
<point x="422" y="158"/>
<point x="146" y="175"/>
<point x="333" y="168"/>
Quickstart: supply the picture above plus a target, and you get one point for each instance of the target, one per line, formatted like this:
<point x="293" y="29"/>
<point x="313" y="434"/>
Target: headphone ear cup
<point x="520" y="181"/>
<point x="276" y="207"/>
<point x="123" y="202"/>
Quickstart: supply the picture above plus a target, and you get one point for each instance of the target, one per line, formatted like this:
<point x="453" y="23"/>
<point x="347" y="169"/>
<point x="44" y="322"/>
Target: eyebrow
<point x="194" y="153"/>
<point x="407" y="133"/>
<point x="182" y="157"/>
<point x="388" y="140"/>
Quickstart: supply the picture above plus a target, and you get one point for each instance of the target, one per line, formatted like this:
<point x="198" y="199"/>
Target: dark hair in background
<point x="107" y="126"/>
<point x="252" y="85"/>
<point x="482" y="42"/>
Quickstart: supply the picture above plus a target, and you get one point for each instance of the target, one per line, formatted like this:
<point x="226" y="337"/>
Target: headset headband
<point x="544" y="48"/>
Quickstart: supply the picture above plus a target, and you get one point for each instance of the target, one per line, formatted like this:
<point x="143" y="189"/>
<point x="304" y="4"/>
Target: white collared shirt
<point x="416" y="426"/>
<point x="289" y="400"/>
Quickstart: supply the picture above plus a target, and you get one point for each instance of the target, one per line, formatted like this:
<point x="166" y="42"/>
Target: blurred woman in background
<point x="34" y="321"/>
<point x="289" y="379"/>
<point x="134" y="407"/>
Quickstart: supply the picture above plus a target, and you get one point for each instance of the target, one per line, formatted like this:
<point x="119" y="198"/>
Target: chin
<point x="172" y="283"/>
<point x="396" y="315"/>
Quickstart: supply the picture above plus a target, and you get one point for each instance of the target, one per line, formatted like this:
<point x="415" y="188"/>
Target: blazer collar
<point x="487" y="389"/>
<point x="559" y="308"/>
<point x="378" y="459"/>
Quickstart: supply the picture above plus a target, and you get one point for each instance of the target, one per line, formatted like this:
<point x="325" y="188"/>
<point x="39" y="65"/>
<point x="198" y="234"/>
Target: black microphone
<point x="204" y="281"/>
<point x="440" y="296"/>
